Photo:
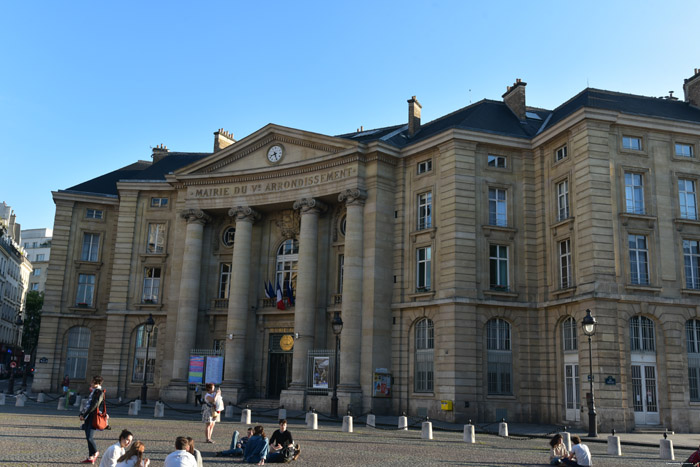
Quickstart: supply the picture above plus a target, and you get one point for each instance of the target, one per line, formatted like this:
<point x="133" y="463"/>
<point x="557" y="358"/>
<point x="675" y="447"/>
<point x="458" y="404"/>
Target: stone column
<point x="238" y="305"/>
<point x="351" y="337"/>
<point x="305" y="308"/>
<point x="188" y="304"/>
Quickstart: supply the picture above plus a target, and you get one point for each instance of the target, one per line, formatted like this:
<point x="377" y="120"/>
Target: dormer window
<point x="425" y="166"/>
<point x="159" y="202"/>
<point x="561" y="153"/>
<point x="93" y="214"/>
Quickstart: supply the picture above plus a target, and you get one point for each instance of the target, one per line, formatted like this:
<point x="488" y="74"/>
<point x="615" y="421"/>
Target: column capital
<point x="353" y="196"/>
<point x="195" y="216"/>
<point x="244" y="213"/>
<point x="309" y="205"/>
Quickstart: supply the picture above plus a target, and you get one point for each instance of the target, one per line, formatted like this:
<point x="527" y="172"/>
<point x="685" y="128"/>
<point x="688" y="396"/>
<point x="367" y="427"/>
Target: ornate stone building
<point x="462" y="255"/>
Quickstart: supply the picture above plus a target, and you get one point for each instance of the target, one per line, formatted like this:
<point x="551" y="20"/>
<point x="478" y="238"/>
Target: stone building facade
<point x="37" y="245"/>
<point x="462" y="255"/>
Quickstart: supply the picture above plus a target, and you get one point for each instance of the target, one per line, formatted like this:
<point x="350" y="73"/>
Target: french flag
<point x="270" y="290"/>
<point x="280" y="302"/>
<point x="290" y="293"/>
<point x="267" y="290"/>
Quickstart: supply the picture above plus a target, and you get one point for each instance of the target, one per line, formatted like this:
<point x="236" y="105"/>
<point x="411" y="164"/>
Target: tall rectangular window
<point x="91" y="245"/>
<point x="691" y="259"/>
<point x="156" y="238"/>
<point x="341" y="270"/>
<point x="563" y="200"/>
<point x="692" y="334"/>
<point x="498" y="267"/>
<point x="565" y="263"/>
<point x="423" y="260"/>
<point x="151" y="285"/>
<point x="224" y="280"/>
<point x="639" y="259"/>
<point x="684" y="150"/>
<point x="687" y="199"/>
<point x="77" y="352"/>
<point x="500" y="357"/>
<point x="632" y="142"/>
<point x="634" y="193"/>
<point x="86" y="290"/>
<point x="498" y="208"/>
<point x="425" y="209"/>
<point x="425" y="343"/>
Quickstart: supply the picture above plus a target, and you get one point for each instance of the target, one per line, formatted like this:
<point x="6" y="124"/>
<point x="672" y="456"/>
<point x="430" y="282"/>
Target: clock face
<point x="274" y="154"/>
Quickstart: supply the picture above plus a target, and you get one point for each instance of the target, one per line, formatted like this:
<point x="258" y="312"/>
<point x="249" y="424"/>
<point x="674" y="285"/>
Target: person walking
<point x="115" y="451"/>
<point x="88" y="414"/>
<point x="133" y="457"/>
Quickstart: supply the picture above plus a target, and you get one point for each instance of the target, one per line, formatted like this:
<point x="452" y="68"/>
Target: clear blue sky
<point x="88" y="87"/>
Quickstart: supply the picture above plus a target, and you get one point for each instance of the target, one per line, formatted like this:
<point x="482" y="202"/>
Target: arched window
<point x="77" y="352"/>
<point x="570" y="338"/>
<point x="425" y="343"/>
<point x="642" y="337"/>
<point x="140" y="354"/>
<point x="500" y="357"/>
<point x="692" y="336"/>
<point x="287" y="258"/>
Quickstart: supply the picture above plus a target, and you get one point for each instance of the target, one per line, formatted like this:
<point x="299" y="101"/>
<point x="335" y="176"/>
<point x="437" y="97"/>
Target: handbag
<point x="101" y="420"/>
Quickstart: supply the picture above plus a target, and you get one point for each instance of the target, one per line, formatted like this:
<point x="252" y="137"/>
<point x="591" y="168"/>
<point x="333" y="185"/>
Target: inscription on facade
<point x="273" y="186"/>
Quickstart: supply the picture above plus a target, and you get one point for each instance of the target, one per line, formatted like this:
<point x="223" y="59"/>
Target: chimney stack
<point x="159" y="152"/>
<point x="222" y="139"/>
<point x="414" y="108"/>
<point x="514" y="98"/>
<point x="691" y="88"/>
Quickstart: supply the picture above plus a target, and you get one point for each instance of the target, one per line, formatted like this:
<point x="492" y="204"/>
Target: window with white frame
<point x="93" y="214"/>
<point x="498" y="267"/>
<point x="692" y="336"/>
<point x="159" y="202"/>
<point x="287" y="260"/>
<point x="639" y="259"/>
<point x="36" y="272"/>
<point x="151" y="285"/>
<point x="77" y="352"/>
<point x="425" y="166"/>
<point x="40" y="257"/>
<point x="224" y="280"/>
<point x="498" y="162"/>
<point x="86" y="290"/>
<point x="142" y="341"/>
<point x="425" y="345"/>
<point x="632" y="142"/>
<point x="91" y="245"/>
<point x="563" y="200"/>
<point x="425" y="210"/>
<point x="498" y="207"/>
<point x="423" y="260"/>
<point x="642" y="337"/>
<point x="684" y="150"/>
<point x="565" y="264"/>
<point x="561" y="153"/>
<point x="634" y="193"/>
<point x="691" y="260"/>
<point x="35" y="287"/>
<point x="500" y="357"/>
<point x="570" y="335"/>
<point x="687" y="199"/>
<point x="156" y="238"/>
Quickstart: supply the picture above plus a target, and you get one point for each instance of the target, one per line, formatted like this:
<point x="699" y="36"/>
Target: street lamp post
<point x="337" y="324"/>
<point x="11" y="383"/>
<point x="589" y="324"/>
<point x="149" y="329"/>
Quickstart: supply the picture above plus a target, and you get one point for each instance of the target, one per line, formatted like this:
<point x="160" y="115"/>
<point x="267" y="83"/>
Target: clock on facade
<point x="274" y="154"/>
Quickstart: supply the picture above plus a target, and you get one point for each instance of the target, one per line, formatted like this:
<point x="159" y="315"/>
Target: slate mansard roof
<point x="485" y="116"/>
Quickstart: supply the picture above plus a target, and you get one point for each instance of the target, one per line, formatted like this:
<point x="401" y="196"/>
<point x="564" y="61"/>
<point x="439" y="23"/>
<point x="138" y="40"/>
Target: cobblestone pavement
<point x="41" y="435"/>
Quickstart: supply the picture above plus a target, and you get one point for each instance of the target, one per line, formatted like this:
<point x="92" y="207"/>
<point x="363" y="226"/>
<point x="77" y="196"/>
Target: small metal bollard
<point x="503" y="429"/>
<point x="566" y="438"/>
<point x="2" y="399"/>
<point x="469" y="434"/>
<point x="41" y="398"/>
<point x="245" y="416"/>
<point x="282" y="414"/>
<point x="666" y="449"/>
<point x="78" y="401"/>
<point x="426" y="431"/>
<point x="614" y="448"/>
<point x="133" y="408"/>
<point x="403" y="422"/>
<point x="138" y="404"/>
<point x="20" y="400"/>
<point x="347" y="424"/>
<point x="228" y="413"/>
<point x="159" y="410"/>
<point x="312" y="421"/>
<point x="371" y="420"/>
<point x="61" y="403"/>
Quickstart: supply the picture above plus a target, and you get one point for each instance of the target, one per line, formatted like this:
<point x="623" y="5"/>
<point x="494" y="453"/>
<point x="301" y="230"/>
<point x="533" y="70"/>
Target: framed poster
<point x="382" y="385"/>
<point x="321" y="367"/>
<point x="196" y="370"/>
<point x="215" y="370"/>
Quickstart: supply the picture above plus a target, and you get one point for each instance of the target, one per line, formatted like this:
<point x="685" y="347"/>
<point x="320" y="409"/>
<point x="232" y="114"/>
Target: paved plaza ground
<point x="39" y="434"/>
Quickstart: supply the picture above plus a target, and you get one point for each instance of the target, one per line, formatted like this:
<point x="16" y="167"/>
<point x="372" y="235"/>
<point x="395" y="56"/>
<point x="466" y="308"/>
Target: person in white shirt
<point x="580" y="454"/>
<point x="115" y="451"/>
<point x="180" y="457"/>
<point x="133" y="457"/>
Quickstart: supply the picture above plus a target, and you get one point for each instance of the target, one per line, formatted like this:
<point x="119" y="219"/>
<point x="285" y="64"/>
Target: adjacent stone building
<point x="461" y="254"/>
<point x="37" y="245"/>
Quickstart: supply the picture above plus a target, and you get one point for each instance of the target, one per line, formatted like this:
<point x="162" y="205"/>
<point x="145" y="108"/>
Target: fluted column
<point x="188" y="303"/>
<point x="238" y="306"/>
<point x="351" y="337"/>
<point x="305" y="308"/>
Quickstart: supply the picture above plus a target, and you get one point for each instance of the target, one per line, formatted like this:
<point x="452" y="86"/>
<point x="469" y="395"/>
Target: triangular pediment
<point x="297" y="147"/>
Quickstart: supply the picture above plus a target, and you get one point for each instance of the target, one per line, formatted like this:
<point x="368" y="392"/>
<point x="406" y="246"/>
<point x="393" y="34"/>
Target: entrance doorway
<point x="646" y="409"/>
<point x="572" y="392"/>
<point x="279" y="375"/>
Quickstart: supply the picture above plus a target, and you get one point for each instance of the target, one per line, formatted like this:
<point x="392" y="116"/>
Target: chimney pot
<point x="414" y="109"/>
<point x="222" y="139"/>
<point x="691" y="89"/>
<point x="514" y="98"/>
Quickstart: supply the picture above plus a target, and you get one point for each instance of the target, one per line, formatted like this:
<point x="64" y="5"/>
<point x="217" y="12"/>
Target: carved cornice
<point x="353" y="196"/>
<point x="289" y="224"/>
<point x="195" y="215"/>
<point x="309" y="205"/>
<point x="244" y="213"/>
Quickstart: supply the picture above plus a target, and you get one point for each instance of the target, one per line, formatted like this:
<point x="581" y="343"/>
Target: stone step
<point x="261" y="403"/>
<point x="652" y="429"/>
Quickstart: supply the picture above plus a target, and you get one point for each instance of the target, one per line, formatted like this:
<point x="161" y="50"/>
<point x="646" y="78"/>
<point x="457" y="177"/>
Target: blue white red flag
<point x="280" y="302"/>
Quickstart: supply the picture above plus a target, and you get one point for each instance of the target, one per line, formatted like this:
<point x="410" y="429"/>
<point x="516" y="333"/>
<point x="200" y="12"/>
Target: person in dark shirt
<point x="279" y="440"/>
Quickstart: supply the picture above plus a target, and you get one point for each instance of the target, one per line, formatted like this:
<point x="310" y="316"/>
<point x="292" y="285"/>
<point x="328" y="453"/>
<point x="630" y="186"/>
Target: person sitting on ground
<point x="580" y="454"/>
<point x="257" y="447"/>
<point x="693" y="460"/>
<point x="279" y="440"/>
<point x="558" y="450"/>
<point x="133" y="457"/>
<point x="180" y="457"/>
<point x="115" y="451"/>
<point x="195" y="452"/>
<point x="237" y="445"/>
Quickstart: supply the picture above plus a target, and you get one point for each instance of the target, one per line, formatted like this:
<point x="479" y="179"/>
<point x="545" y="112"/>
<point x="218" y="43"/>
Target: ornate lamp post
<point x="589" y="324"/>
<point x="149" y="329"/>
<point x="11" y="383"/>
<point x="337" y="324"/>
